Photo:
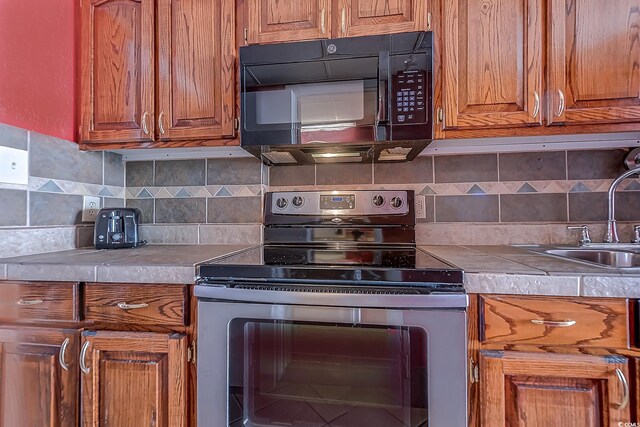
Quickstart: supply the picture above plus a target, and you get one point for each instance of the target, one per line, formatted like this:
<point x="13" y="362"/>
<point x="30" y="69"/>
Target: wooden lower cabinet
<point x="527" y="389"/>
<point x="134" y="378"/>
<point x="38" y="377"/>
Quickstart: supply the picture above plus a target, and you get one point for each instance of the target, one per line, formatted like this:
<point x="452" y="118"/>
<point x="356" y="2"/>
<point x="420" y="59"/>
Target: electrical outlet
<point x="421" y="209"/>
<point x="90" y="208"/>
<point x="14" y="166"/>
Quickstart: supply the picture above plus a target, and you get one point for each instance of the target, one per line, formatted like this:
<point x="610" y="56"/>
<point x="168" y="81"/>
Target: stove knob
<point x="297" y="201"/>
<point x="377" y="200"/>
<point x="281" y="203"/>
<point x="396" y="202"/>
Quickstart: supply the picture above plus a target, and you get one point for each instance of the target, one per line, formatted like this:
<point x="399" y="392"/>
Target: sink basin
<point x="602" y="257"/>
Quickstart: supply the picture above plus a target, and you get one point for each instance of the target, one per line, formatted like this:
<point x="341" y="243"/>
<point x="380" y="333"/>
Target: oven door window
<point x="306" y="374"/>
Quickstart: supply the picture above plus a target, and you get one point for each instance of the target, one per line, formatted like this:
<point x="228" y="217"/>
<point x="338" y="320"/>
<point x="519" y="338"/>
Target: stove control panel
<point x="337" y="203"/>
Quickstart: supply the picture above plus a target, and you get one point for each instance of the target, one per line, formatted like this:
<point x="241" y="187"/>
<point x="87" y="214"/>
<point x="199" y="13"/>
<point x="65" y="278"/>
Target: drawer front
<point x="39" y="301"/>
<point x="136" y="304"/>
<point x="581" y="322"/>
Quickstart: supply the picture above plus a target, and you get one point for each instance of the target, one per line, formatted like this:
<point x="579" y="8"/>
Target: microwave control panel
<point x="410" y="91"/>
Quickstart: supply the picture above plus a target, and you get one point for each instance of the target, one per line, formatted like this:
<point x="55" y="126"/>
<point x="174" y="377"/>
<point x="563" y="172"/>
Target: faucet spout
<point x="612" y="228"/>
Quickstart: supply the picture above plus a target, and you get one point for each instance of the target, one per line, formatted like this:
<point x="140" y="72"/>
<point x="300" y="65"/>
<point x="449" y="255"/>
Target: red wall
<point x="37" y="65"/>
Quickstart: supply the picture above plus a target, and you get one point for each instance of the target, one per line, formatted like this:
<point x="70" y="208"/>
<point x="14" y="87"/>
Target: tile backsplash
<point x="45" y="214"/>
<point x="504" y="198"/>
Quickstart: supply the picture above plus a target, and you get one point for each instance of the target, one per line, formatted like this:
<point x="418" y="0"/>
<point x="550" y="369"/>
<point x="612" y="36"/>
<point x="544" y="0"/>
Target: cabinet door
<point x="280" y="21"/>
<point x="117" y="70"/>
<point x="364" y="17"/>
<point x="38" y="384"/>
<point x="524" y="389"/>
<point x="134" y="376"/>
<point x="492" y="63"/>
<point x="594" y="56"/>
<point x="196" y="59"/>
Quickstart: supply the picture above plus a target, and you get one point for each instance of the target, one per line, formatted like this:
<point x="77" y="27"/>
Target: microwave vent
<point x="280" y="157"/>
<point x="394" y="154"/>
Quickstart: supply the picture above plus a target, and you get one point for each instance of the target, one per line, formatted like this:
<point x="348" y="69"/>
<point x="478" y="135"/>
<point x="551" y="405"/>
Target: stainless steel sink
<point x="602" y="257"/>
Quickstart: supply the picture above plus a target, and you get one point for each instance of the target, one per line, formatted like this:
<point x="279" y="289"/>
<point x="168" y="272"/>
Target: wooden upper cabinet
<point x="35" y="389"/>
<point x="492" y="63"/>
<point x="196" y="60"/>
<point x="134" y="377"/>
<point x="594" y="61"/>
<point x="518" y="389"/>
<point x="365" y="17"/>
<point x="117" y="70"/>
<point x="272" y="21"/>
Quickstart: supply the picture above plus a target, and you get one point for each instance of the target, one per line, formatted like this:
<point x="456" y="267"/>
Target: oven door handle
<point x="333" y="299"/>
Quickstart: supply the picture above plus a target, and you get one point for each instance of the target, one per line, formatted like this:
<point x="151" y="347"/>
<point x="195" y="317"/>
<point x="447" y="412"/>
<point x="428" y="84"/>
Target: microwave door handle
<point x="383" y="83"/>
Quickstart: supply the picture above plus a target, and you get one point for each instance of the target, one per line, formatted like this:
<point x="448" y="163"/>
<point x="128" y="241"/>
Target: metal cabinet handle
<point x="554" y="323"/>
<point x="160" y="125"/>
<point x="63" y="349"/>
<point x="29" y="301"/>
<point x="322" y="14"/>
<point x="536" y="105"/>
<point x="625" y="389"/>
<point x="562" y="103"/>
<point x="344" y="20"/>
<point x="145" y="128"/>
<point x="125" y="306"/>
<point x="83" y="354"/>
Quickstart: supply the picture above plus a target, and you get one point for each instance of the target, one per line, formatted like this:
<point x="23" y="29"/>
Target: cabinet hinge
<point x="440" y="115"/>
<point x="429" y="21"/>
<point x="191" y="352"/>
<point x="474" y="372"/>
<point x="236" y="124"/>
<point x="246" y="36"/>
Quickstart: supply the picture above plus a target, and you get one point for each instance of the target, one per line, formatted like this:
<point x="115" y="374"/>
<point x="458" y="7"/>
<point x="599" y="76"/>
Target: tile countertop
<point x="145" y="264"/>
<point x="517" y="270"/>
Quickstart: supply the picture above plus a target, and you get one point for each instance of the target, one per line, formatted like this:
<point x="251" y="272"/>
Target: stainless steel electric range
<point x="337" y="320"/>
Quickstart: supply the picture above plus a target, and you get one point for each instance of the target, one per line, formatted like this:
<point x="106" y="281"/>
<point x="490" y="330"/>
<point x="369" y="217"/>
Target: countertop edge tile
<point x="51" y="273"/>
<point x="611" y="286"/>
<point x="519" y="284"/>
<point x="146" y="274"/>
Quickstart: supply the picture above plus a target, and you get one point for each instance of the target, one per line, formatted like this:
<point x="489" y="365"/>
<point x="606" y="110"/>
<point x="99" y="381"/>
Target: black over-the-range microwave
<point x="358" y="99"/>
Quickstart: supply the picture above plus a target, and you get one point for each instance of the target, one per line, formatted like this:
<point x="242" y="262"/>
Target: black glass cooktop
<point x="317" y="263"/>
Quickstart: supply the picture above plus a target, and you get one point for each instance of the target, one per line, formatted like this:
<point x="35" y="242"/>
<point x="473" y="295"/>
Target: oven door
<point x="299" y="365"/>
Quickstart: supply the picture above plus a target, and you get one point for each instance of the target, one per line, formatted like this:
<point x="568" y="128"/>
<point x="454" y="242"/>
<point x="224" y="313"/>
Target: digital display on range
<point x="343" y="201"/>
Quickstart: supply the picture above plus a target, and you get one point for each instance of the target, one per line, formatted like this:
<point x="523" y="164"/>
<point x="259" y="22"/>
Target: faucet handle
<point x="636" y="233"/>
<point x="585" y="239"/>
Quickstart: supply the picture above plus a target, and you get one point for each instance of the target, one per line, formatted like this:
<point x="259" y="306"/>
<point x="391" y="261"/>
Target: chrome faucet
<point x="612" y="228"/>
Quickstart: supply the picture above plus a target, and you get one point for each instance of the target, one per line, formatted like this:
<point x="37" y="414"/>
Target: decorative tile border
<point x="206" y="191"/>
<point x="507" y="187"/>
<point x="48" y="185"/>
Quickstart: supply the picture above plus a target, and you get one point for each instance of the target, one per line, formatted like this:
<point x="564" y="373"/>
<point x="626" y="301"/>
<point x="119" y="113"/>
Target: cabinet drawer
<point x="40" y="301"/>
<point x="581" y="322"/>
<point x="136" y="304"/>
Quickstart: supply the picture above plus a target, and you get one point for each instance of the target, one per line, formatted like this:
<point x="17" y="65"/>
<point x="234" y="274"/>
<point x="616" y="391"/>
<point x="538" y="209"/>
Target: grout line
<point x="500" y="208"/>
<point x="433" y="169"/>
<point x="103" y="160"/>
<point x="498" y="166"/>
<point x="373" y="173"/>
<point x="566" y="165"/>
